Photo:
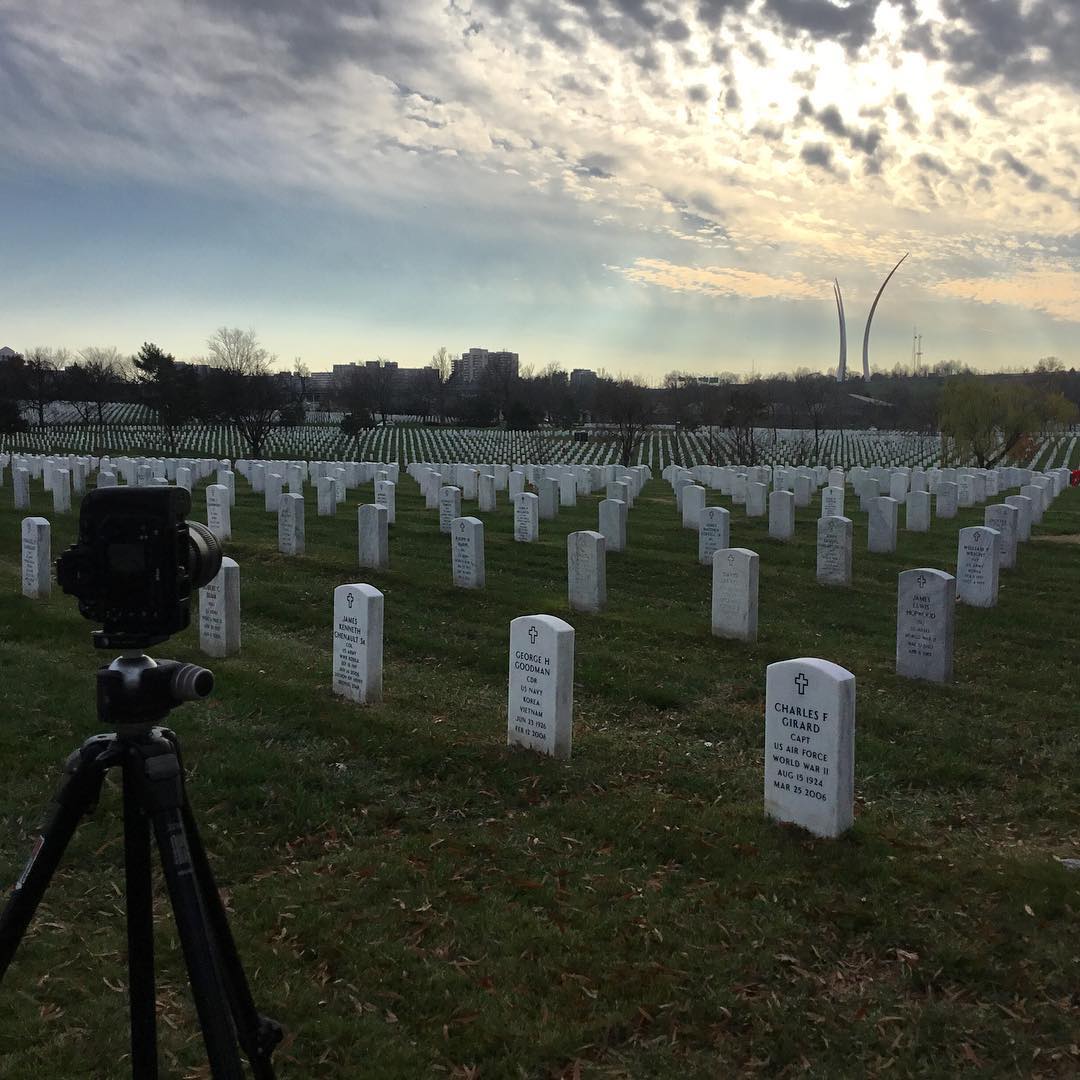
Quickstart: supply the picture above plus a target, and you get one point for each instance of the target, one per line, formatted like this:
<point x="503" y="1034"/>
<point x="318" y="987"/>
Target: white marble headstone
<point x="374" y="545"/>
<point x="1006" y="520"/>
<point x="526" y="518"/>
<point x="832" y="501"/>
<point x="540" y="700"/>
<point x="810" y="745"/>
<point x="20" y="486"/>
<point x="714" y="534"/>
<point x="218" y="511"/>
<point x="36" y="558"/>
<point x="977" y="562"/>
<point x="834" y="550"/>
<point x="586" y="571"/>
<point x="467" y="552"/>
<point x="613" y="523"/>
<point x="291" y="524"/>
<point x="386" y="496"/>
<point x="358" y="643"/>
<point x="693" y="502"/>
<point x="449" y="507"/>
<point x="881" y="534"/>
<point x="219" y="612"/>
<point x="781" y="515"/>
<point x="735" y="594"/>
<point x="917" y="511"/>
<point x="925" y="617"/>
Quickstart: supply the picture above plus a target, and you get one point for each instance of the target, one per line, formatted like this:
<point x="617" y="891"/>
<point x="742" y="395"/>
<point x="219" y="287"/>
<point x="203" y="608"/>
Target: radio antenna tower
<point x="916" y="350"/>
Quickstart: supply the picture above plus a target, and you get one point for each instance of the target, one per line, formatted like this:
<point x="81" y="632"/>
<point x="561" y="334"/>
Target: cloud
<point x="1053" y="292"/>
<point x="819" y="154"/>
<point x="851" y="24"/>
<point x="929" y="163"/>
<point x="718" y="281"/>
<point x="569" y="118"/>
<point x="867" y="142"/>
<point x="1020" y="40"/>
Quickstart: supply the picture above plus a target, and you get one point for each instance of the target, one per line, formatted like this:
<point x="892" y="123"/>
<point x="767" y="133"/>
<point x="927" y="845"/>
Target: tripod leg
<point x="77" y="795"/>
<point x="140" y="928"/>
<point x="257" y="1034"/>
<point x="162" y="795"/>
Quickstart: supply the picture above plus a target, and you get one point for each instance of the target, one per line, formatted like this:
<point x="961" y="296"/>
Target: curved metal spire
<point x="841" y="371"/>
<point x="870" y="319"/>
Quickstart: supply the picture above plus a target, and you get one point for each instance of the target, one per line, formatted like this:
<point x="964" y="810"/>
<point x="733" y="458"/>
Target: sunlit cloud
<point x="1053" y="292"/>
<point x="740" y="148"/>
<point x="719" y="281"/>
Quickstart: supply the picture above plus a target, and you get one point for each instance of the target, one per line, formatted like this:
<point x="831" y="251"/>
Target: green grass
<point x="412" y="899"/>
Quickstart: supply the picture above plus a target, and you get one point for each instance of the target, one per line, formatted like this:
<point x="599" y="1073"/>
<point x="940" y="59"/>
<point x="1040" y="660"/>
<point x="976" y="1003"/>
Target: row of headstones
<point x="972" y="485"/>
<point x="809" y="714"/>
<point x="467" y="533"/>
<point x="810" y="703"/>
<point x="735" y="574"/>
<point x="883" y="510"/>
<point x="557" y="485"/>
<point x="789" y="447"/>
<point x="332" y="480"/>
<point x="68" y="474"/>
<point x="712" y="523"/>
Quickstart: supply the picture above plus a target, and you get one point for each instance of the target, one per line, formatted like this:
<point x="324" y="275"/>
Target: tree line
<point x="980" y="416"/>
<point x="236" y="384"/>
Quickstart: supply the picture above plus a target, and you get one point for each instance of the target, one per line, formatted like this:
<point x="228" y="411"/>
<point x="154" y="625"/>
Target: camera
<point x="136" y="563"/>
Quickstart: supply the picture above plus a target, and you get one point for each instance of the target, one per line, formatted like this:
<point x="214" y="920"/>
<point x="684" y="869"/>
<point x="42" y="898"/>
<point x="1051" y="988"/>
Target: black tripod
<point x="134" y="694"/>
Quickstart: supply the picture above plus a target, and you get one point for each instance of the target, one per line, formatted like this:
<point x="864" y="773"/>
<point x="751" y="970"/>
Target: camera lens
<point x="204" y="554"/>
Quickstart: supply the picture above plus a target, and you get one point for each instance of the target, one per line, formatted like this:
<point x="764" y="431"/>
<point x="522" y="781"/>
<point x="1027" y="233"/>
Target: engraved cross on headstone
<point x="921" y="579"/>
<point x="801" y="682"/>
<point x="532" y="635"/>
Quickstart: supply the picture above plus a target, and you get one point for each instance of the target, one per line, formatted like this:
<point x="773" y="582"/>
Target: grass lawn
<point x="411" y="899"/>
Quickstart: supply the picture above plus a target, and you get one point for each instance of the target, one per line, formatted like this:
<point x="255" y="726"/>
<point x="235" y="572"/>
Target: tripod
<point x="134" y="694"/>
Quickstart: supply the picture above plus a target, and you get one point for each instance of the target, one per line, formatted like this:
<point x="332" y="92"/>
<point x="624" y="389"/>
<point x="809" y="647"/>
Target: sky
<point x="637" y="186"/>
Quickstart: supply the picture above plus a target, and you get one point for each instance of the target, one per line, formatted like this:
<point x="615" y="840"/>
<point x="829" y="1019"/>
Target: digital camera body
<point x="136" y="563"/>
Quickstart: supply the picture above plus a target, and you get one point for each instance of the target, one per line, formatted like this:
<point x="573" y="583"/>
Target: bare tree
<point x="301" y="379"/>
<point x="739" y="441"/>
<point x="442" y="367"/>
<point x="238" y="352"/>
<point x="815" y="391"/>
<point x="244" y="389"/>
<point x="12" y="381"/>
<point x="41" y="378"/>
<point x="382" y="386"/>
<point x="94" y="380"/>
<point x="351" y="394"/>
<point x="629" y="410"/>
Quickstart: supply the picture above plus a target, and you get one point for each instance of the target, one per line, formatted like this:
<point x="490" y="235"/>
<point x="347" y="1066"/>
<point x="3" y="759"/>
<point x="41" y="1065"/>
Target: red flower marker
<point x="1074" y="478"/>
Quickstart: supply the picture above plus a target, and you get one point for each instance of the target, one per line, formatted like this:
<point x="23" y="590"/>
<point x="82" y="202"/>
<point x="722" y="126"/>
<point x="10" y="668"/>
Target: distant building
<point x="6" y="352"/>
<point x="582" y="378"/>
<point x="471" y="366"/>
<point x="702" y="380"/>
<point x="319" y="383"/>
<point x="322" y="384"/>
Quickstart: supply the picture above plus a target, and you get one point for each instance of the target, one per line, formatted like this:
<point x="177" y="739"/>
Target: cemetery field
<point x="412" y="899"/>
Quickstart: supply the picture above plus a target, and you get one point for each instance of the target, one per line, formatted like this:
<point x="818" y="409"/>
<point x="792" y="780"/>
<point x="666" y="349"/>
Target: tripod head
<point x="136" y="692"/>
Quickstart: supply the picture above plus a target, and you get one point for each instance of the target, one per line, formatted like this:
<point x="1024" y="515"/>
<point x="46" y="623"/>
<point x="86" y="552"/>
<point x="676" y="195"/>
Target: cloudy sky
<point x="638" y="185"/>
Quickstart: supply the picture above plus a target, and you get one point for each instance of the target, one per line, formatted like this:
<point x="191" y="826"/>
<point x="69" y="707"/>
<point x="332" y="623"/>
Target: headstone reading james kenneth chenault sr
<point x="358" y="643"/>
